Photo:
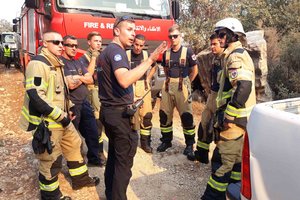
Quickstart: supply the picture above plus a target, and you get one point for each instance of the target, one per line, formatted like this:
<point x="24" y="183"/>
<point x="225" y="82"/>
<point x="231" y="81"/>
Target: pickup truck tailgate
<point x="274" y="141"/>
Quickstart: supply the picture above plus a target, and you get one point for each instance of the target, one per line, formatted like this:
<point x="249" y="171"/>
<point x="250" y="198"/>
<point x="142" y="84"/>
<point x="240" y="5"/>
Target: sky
<point x="10" y="9"/>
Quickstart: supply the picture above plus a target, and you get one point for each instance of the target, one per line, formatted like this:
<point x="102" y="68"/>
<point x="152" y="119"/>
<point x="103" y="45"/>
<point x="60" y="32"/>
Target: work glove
<point x="95" y="53"/>
<point x="65" y="121"/>
<point x="41" y="139"/>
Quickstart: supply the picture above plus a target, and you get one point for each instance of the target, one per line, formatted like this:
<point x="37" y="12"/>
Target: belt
<point x="177" y="76"/>
<point x="113" y="107"/>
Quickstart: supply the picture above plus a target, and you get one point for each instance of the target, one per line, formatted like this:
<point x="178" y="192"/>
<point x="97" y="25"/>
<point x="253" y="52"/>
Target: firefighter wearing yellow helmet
<point x="235" y="100"/>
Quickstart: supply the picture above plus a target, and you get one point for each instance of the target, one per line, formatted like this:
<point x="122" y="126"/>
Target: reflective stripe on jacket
<point x="45" y="85"/>
<point x="238" y="70"/>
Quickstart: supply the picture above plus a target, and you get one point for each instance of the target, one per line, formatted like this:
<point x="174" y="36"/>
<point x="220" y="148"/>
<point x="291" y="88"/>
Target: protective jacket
<point x="45" y="93"/>
<point x="237" y="85"/>
<point x="7" y="52"/>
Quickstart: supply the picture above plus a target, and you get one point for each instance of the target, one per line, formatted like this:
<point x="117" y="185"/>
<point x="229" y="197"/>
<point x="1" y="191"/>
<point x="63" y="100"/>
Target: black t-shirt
<point x="112" y="58"/>
<point x="136" y="59"/>
<point x="214" y="74"/>
<point x="71" y="68"/>
<point x="85" y="62"/>
<point x="174" y="67"/>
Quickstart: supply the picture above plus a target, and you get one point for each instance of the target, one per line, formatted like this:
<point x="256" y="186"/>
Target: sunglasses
<point x="71" y="45"/>
<point x="123" y="18"/>
<point x="56" y="42"/>
<point x="173" y="36"/>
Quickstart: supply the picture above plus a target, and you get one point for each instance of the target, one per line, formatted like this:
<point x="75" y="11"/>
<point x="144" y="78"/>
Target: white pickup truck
<point x="271" y="154"/>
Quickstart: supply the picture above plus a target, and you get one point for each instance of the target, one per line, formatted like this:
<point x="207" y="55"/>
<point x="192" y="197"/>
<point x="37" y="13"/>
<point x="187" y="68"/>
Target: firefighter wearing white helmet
<point x="235" y="100"/>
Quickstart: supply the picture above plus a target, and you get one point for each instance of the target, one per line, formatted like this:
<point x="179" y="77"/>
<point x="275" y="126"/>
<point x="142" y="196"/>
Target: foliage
<point x="284" y="78"/>
<point x="278" y="18"/>
<point x="5" y="25"/>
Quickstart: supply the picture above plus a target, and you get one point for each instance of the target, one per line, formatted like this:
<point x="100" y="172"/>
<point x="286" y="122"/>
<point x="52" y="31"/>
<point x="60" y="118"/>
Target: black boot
<point x="188" y="150"/>
<point x="192" y="157"/>
<point x="146" y="143"/>
<point x="201" y="155"/>
<point x="164" y="146"/>
<point x="92" y="181"/>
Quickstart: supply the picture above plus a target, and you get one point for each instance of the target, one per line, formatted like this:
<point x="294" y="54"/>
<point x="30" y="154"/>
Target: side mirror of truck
<point x="175" y="9"/>
<point x="35" y="4"/>
<point x="16" y="20"/>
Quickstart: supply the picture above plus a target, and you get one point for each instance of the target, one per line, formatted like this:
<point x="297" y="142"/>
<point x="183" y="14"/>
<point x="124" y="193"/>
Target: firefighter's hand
<point x="71" y="115"/>
<point x="159" y="50"/>
<point x="66" y="121"/>
<point x="95" y="53"/>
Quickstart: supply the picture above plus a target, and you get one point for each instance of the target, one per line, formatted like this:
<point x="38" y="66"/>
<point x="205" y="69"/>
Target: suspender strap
<point x="168" y="55"/>
<point x="128" y="52"/>
<point x="87" y="57"/>
<point x="182" y="65"/>
<point x="145" y="57"/>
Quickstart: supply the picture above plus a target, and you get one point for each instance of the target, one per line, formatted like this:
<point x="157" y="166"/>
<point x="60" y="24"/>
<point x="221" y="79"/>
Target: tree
<point x="278" y="18"/>
<point x="5" y="25"/>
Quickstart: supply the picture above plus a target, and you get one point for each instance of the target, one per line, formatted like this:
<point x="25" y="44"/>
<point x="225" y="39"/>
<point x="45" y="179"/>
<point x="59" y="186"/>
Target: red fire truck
<point x="78" y="18"/>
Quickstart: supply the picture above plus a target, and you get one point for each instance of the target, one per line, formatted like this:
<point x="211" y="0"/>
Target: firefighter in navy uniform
<point x="78" y="79"/>
<point x="181" y="69"/>
<point x="89" y="60"/>
<point x="235" y="100"/>
<point x="141" y="87"/>
<point x="205" y="136"/>
<point x="46" y="100"/>
<point x="116" y="95"/>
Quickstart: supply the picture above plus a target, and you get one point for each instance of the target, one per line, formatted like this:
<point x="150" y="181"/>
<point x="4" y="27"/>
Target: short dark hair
<point x="120" y="20"/>
<point x="214" y="36"/>
<point x="140" y="37"/>
<point x="92" y="34"/>
<point x="72" y="37"/>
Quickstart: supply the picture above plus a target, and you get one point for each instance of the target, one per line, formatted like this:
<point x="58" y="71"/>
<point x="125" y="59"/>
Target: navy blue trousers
<point x="86" y="124"/>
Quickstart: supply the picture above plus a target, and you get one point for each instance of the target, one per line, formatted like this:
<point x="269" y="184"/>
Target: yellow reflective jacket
<point x="46" y="92"/>
<point x="7" y="52"/>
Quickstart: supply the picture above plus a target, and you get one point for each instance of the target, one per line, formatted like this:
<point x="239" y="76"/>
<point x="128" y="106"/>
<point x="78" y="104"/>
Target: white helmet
<point x="232" y="24"/>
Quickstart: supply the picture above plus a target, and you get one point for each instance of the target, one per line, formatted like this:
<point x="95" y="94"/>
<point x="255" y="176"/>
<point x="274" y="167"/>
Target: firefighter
<point x="235" y="100"/>
<point x="46" y="101"/>
<point x="204" y="135"/>
<point x="141" y="87"/>
<point x="89" y="59"/>
<point x="116" y="94"/>
<point x="78" y="79"/>
<point x="7" y="56"/>
<point x="181" y="69"/>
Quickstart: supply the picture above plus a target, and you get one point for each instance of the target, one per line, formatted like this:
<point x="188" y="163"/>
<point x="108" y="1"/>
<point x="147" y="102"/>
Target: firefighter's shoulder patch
<point x="233" y="74"/>
<point x="117" y="57"/>
<point x="37" y="81"/>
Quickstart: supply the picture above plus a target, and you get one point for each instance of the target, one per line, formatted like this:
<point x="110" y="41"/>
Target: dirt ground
<point x="165" y="176"/>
